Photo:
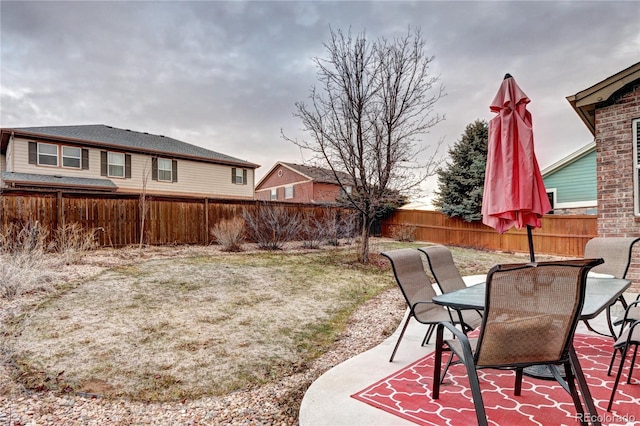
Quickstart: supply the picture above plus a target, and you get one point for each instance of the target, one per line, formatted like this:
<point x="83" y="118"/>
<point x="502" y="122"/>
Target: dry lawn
<point x="176" y="323"/>
<point x="186" y="327"/>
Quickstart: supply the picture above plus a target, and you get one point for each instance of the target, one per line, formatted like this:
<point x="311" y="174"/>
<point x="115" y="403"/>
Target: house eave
<point x="586" y="101"/>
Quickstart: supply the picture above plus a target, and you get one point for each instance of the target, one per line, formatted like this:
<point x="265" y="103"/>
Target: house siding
<point x="576" y="182"/>
<point x="194" y="178"/>
<point x="614" y="147"/>
<point x="325" y="192"/>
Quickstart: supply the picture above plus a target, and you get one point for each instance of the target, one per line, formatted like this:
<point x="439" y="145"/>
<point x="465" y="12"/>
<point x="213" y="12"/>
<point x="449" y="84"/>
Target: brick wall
<point x="615" y="169"/>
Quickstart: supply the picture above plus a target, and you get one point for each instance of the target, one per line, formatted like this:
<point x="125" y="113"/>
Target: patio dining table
<point x="599" y="293"/>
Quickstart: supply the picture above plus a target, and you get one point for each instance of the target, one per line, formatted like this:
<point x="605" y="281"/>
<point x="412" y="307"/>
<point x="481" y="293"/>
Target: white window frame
<point x="165" y="168"/>
<point x="111" y="165"/>
<point x="67" y="156"/>
<point x="274" y="194"/>
<point x="47" y="154"/>
<point x="238" y="179"/>
<point x="288" y="192"/>
<point x="635" y="126"/>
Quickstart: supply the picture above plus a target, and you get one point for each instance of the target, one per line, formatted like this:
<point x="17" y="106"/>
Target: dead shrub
<point x="22" y="259"/>
<point x="73" y="241"/>
<point x="230" y="234"/>
<point x="312" y="230"/>
<point x="338" y="226"/>
<point x="403" y="232"/>
<point x="271" y="226"/>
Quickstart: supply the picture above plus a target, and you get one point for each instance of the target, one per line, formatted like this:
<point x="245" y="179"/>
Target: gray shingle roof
<point x="128" y="139"/>
<point x="319" y="174"/>
<point x="30" y="178"/>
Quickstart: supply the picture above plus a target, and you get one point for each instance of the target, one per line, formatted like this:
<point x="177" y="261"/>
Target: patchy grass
<point x="184" y="327"/>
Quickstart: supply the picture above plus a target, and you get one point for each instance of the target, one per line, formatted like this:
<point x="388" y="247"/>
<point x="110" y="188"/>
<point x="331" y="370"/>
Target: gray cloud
<point x="226" y="75"/>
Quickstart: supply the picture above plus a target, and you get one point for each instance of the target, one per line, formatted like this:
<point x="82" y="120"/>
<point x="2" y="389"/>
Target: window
<point x="288" y="192"/>
<point x="274" y="193"/>
<point x="71" y="157"/>
<point x="115" y="164"/>
<point x="239" y="176"/>
<point x="635" y="125"/>
<point x="346" y="190"/>
<point x="47" y="154"/>
<point x="164" y="170"/>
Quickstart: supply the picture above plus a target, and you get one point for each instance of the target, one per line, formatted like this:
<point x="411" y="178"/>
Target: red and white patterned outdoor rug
<point x="407" y="393"/>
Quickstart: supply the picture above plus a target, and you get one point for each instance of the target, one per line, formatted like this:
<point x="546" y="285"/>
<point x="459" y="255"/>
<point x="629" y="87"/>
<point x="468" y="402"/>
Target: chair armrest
<point x="467" y="353"/>
<point x="629" y="306"/>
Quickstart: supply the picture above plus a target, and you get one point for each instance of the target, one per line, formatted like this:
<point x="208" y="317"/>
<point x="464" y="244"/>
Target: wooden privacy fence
<point x="563" y="235"/>
<point x="169" y="220"/>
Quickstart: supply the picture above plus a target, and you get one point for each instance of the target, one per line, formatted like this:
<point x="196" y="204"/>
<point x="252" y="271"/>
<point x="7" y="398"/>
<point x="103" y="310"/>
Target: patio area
<point x="329" y="401"/>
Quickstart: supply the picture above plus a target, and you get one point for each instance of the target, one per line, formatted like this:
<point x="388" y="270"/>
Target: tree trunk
<point x="363" y="253"/>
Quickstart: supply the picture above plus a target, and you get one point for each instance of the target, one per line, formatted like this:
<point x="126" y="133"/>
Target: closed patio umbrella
<point x="514" y="192"/>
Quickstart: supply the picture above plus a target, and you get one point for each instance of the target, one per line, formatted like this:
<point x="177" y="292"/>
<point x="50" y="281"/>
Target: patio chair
<point x="628" y="338"/>
<point x="418" y="292"/>
<point x="616" y="252"/>
<point x="447" y="275"/>
<point x="530" y="317"/>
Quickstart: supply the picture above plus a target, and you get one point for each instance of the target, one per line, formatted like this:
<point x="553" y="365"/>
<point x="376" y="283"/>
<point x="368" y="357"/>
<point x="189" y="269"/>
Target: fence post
<point x="206" y="221"/>
<point x="59" y="212"/>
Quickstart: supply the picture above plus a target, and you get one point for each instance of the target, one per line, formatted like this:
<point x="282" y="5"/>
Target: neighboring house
<point x="107" y="159"/>
<point x="571" y="182"/>
<point x="297" y="183"/>
<point x="611" y="111"/>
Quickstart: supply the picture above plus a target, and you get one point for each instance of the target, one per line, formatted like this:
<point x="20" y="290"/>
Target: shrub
<point x="230" y="234"/>
<point x="339" y="226"/>
<point x="403" y="232"/>
<point x="312" y="230"/>
<point x="22" y="258"/>
<point x="271" y="226"/>
<point x="73" y="241"/>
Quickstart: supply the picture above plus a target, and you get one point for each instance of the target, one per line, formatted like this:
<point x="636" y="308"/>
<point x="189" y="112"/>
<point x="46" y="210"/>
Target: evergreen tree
<point x="461" y="180"/>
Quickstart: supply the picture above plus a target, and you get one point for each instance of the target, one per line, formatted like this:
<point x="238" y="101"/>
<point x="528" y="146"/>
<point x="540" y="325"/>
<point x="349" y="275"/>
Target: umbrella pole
<point x="532" y="255"/>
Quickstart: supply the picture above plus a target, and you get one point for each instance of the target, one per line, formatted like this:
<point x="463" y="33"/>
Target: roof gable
<point x="569" y="159"/>
<point x="586" y="101"/>
<point x="102" y="135"/>
<point x="312" y="173"/>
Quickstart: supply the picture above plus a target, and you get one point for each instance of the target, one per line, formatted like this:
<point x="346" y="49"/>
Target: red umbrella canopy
<point x="514" y="192"/>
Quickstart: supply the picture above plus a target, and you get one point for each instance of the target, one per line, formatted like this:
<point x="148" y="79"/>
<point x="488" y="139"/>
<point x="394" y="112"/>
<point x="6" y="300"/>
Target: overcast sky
<point x="226" y="75"/>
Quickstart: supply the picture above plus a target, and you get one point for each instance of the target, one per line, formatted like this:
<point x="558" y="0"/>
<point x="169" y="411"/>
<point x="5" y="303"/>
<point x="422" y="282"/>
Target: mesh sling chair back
<point x="447" y="276"/>
<point x="530" y="317"/>
<point x="417" y="290"/>
<point x="616" y="252"/>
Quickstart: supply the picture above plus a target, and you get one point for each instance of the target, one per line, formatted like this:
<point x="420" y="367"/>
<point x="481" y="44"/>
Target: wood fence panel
<point x="188" y="221"/>
<point x="563" y="235"/>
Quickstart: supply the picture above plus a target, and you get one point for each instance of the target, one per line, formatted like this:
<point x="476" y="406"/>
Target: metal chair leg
<point x="428" y="335"/>
<point x="618" y="374"/>
<point x="633" y="362"/>
<point x="570" y="380"/>
<point x="404" y="327"/>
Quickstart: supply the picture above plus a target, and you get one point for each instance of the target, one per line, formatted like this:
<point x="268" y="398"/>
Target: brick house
<point x="298" y="183"/>
<point x="611" y="111"/>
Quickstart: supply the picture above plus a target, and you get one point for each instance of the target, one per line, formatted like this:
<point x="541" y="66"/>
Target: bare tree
<point x="144" y="202"/>
<point x="373" y="104"/>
